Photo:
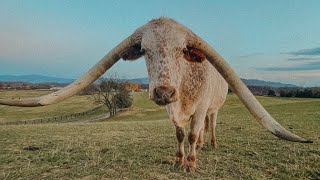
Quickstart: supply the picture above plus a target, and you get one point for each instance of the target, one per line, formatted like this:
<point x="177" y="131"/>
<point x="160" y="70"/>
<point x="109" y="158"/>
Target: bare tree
<point x="114" y="94"/>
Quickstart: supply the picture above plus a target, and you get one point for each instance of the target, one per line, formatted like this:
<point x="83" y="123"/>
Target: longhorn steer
<point x="181" y="77"/>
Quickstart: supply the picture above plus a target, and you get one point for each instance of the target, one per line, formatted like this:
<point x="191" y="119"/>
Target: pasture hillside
<point x="140" y="144"/>
<point x="75" y="104"/>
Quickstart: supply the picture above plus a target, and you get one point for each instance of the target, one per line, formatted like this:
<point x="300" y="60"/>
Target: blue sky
<point x="269" y="40"/>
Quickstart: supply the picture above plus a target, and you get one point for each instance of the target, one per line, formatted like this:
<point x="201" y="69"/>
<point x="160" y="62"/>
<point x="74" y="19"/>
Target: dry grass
<point x="141" y="144"/>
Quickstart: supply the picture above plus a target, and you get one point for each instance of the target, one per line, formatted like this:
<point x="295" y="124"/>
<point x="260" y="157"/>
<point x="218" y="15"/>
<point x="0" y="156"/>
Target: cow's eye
<point x="132" y="53"/>
<point x="193" y="55"/>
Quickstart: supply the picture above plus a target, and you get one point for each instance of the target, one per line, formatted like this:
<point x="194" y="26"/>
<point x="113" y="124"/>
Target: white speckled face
<point x="163" y="48"/>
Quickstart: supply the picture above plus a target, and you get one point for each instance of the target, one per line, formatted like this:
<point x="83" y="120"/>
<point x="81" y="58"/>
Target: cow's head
<point x="165" y="45"/>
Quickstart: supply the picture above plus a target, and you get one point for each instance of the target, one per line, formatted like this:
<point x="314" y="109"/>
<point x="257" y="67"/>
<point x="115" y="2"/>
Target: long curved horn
<point x="85" y="80"/>
<point x="247" y="98"/>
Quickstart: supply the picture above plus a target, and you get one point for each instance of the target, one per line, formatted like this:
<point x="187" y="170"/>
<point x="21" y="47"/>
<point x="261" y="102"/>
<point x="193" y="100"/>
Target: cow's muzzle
<point x="164" y="95"/>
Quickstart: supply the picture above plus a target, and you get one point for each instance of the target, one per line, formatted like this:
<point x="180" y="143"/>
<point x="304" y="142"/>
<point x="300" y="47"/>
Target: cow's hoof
<point x="214" y="144"/>
<point x="190" y="165"/>
<point x="179" y="164"/>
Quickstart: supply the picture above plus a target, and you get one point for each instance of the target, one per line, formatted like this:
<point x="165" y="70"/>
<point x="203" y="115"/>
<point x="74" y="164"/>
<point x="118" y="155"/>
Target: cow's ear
<point x="132" y="53"/>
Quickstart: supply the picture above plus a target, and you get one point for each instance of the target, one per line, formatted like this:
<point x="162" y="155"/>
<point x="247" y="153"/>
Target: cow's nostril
<point x="171" y="93"/>
<point x="158" y="93"/>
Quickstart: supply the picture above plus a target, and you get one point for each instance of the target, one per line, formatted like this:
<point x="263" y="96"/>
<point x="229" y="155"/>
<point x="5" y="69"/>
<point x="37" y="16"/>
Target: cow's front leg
<point x="197" y="125"/>
<point x="180" y="152"/>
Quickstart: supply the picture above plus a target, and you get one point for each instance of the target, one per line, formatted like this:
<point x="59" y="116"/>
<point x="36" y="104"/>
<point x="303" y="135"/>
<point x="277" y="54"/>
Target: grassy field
<point x="140" y="144"/>
<point x="72" y="105"/>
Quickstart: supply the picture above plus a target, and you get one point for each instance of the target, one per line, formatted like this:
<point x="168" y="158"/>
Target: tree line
<point x="29" y="86"/>
<point x="297" y="92"/>
<point x="300" y="92"/>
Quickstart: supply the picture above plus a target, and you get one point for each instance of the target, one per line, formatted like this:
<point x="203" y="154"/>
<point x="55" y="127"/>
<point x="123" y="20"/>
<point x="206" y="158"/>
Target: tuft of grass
<point x="140" y="144"/>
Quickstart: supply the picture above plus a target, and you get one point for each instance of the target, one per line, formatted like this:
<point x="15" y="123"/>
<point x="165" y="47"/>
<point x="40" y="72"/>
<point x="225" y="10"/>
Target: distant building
<point x="134" y="87"/>
<point x="55" y="88"/>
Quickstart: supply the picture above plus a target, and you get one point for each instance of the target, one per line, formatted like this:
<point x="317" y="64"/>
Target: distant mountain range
<point x="138" y="80"/>
<point x="256" y="82"/>
<point x="33" y="78"/>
